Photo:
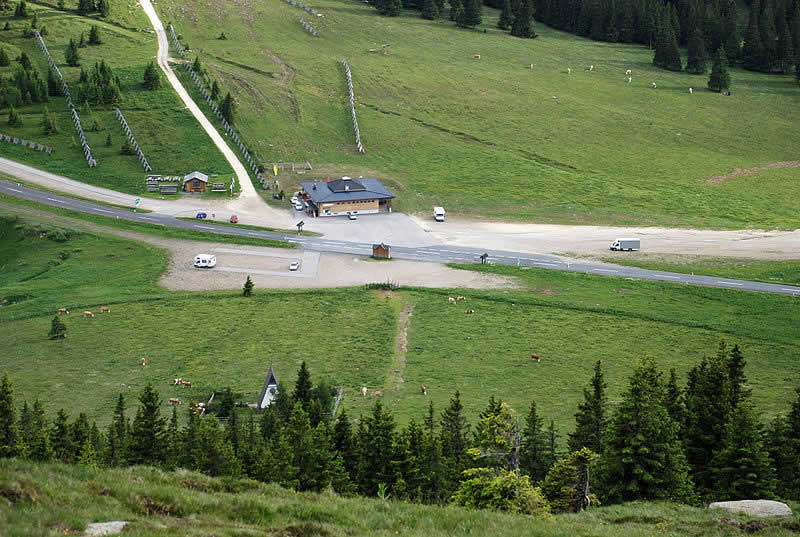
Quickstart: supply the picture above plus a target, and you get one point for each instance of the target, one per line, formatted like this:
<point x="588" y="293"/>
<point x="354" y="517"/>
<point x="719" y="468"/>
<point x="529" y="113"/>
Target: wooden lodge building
<point x="346" y="195"/>
<point x="195" y="182"/>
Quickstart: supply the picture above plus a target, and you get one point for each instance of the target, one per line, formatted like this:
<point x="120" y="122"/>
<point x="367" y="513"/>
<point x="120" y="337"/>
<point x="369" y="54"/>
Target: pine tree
<point x="9" y="434"/>
<point x="14" y="117"/>
<point x="455" y="7"/>
<point x="453" y="432"/>
<point x="742" y="468"/>
<point x="496" y="441"/>
<point x="214" y="91"/>
<point x="303" y="387"/>
<point x="532" y="457"/>
<point x="174" y="444"/>
<point x="736" y="365"/>
<point x="25" y="61"/>
<point x="375" y="451"/>
<point x="696" y="62"/>
<point x="667" y="54"/>
<point x="643" y="458"/>
<point x="117" y="437"/>
<point x="523" y="19"/>
<point x="784" y="58"/>
<point x="21" y="11"/>
<point x="471" y="15"/>
<point x="127" y="148"/>
<point x="53" y="86"/>
<point x="247" y="290"/>
<point x="49" y="127"/>
<point x="769" y="37"/>
<point x="197" y="67"/>
<point x="720" y="79"/>
<point x="429" y="10"/>
<point x="753" y="50"/>
<point x="783" y="443"/>
<point x="344" y="444"/>
<point x="71" y="54"/>
<point x="590" y="420"/>
<point x="5" y="61"/>
<point x="82" y="40"/>
<point x="504" y="22"/>
<point x="61" y="438"/>
<point x="109" y="141"/>
<point x="94" y="36"/>
<point x="57" y="328"/>
<point x="149" y="430"/>
<point x="37" y="437"/>
<point x="673" y="401"/>
<point x="85" y="6"/>
<point x="104" y="7"/>
<point x="227" y="108"/>
<point x="567" y="485"/>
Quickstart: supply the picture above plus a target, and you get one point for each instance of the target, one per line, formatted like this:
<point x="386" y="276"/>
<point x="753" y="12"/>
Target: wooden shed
<point x="381" y="251"/>
<point x="195" y="182"/>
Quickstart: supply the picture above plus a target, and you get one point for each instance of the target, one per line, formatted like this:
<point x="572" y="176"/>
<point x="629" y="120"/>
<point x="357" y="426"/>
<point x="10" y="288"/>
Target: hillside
<point x="52" y="499"/>
<point x="491" y="136"/>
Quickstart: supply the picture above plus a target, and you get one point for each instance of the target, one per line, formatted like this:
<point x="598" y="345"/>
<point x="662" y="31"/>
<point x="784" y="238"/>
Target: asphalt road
<point x="432" y="254"/>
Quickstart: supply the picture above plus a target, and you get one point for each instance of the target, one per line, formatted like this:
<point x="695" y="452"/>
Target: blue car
<point x="200" y="216"/>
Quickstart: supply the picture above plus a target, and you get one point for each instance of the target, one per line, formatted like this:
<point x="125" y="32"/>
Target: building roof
<point x="268" y="391"/>
<point x="195" y="175"/>
<point x="346" y="189"/>
<point x="381" y="245"/>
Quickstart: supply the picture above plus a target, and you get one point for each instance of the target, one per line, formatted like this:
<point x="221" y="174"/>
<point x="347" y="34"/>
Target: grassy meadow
<point x="169" y="136"/>
<point x="53" y="500"/>
<point x="221" y="339"/>
<point x="492" y="136"/>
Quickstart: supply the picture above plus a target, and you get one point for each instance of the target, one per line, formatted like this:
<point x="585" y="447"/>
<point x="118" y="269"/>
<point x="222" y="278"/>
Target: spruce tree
<point x="742" y="468"/>
<point x="471" y="15"/>
<point x="117" y="437"/>
<point x="784" y="58"/>
<point x="37" y="437"/>
<point x="496" y="439"/>
<point x="429" y="10"/>
<point x="736" y="365"/>
<point x="696" y="61"/>
<point x="784" y="448"/>
<point x="522" y="26"/>
<point x="57" y="328"/>
<point x="673" y="401"/>
<point x="53" y="86"/>
<point x="14" y="117"/>
<point x="667" y="54"/>
<point x="25" y="61"/>
<point x="127" y="148"/>
<point x="104" y="7"/>
<point x="769" y="38"/>
<point x="148" y="433"/>
<point x="227" y="108"/>
<point x="9" y="433"/>
<point x="753" y="52"/>
<point x="61" y="438"/>
<point x="532" y="457"/>
<point x="643" y="458"/>
<point x="344" y="444"/>
<point x="590" y="420"/>
<point x="455" y="7"/>
<point x="85" y="6"/>
<point x="504" y="22"/>
<point x="794" y="30"/>
<point x="567" y="486"/>
<point x="49" y="127"/>
<point x="453" y="432"/>
<point x="94" y="36"/>
<point x="720" y="79"/>
<point x="303" y="387"/>
<point x="375" y="450"/>
<point x="214" y="91"/>
<point x="71" y="54"/>
<point x="21" y="11"/>
<point x="247" y="290"/>
<point x="5" y="61"/>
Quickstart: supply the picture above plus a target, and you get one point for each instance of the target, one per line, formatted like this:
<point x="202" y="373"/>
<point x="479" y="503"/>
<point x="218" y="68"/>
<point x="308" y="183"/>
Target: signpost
<point x="300" y="225"/>
<point x="136" y="203"/>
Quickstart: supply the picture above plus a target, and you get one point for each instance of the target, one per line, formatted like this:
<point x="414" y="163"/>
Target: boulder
<point x="754" y="507"/>
<point x="105" y="528"/>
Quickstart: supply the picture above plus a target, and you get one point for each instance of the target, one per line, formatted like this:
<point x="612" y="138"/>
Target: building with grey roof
<point x="346" y="196"/>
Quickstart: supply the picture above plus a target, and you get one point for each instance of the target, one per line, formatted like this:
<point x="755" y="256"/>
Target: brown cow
<point x="88" y="314"/>
<point x="175" y="401"/>
<point x="144" y="361"/>
<point x="186" y="383"/>
<point x="536" y="357"/>
<point x="469" y="311"/>
<point x="63" y="310"/>
<point x="104" y="309"/>
<point x="424" y="390"/>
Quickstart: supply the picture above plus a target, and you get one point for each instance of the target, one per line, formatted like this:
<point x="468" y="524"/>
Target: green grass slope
<point x="492" y="136"/>
<point x="55" y="500"/>
<point x="171" y="139"/>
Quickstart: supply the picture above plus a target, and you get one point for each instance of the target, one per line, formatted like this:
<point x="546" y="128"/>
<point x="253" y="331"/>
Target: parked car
<point x="295" y="265"/>
<point x="298" y="206"/>
<point x="200" y="216"/>
<point x="294" y="200"/>
<point x="351" y="216"/>
<point x="234" y="219"/>
<point x="205" y="261"/>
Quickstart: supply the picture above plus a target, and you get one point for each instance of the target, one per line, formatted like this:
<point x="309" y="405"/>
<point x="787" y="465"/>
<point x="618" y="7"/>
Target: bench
<point x="218" y="187"/>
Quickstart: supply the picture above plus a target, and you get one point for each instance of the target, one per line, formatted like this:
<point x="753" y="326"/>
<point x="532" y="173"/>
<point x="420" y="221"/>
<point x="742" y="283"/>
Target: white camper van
<point x="438" y="214"/>
<point x="620" y="245"/>
<point x="205" y="261"/>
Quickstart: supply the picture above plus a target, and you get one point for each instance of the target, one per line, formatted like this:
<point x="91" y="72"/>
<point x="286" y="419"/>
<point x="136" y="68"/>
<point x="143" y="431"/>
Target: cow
<point x="63" y="310"/>
<point x="175" y="382"/>
<point x="569" y="71"/>
<point x="629" y="80"/>
<point x="186" y="383"/>
<point x="88" y="314"/>
<point x="461" y="298"/>
<point x="424" y="390"/>
<point x="469" y="311"/>
<point x="364" y="391"/>
<point x="144" y="361"/>
<point x="451" y="300"/>
<point x="175" y="401"/>
<point x="628" y="72"/>
<point x="690" y="92"/>
<point x="536" y="357"/>
<point x="104" y="309"/>
<point x="477" y="56"/>
<point x="653" y="84"/>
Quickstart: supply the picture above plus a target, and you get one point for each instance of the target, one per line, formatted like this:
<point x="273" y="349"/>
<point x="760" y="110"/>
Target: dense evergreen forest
<point x="689" y="444"/>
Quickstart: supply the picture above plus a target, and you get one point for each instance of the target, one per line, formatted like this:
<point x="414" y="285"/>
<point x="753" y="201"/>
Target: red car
<point x="234" y="219"/>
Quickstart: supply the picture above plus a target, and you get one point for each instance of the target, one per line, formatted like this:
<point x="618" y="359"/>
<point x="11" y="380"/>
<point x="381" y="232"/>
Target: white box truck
<point x="205" y="261"/>
<point x="438" y="214"/>
<point x="621" y="245"/>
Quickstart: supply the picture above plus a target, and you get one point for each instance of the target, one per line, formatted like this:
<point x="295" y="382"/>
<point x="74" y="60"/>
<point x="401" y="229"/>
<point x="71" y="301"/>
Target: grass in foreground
<point x="54" y="500"/>
<point x="487" y="136"/>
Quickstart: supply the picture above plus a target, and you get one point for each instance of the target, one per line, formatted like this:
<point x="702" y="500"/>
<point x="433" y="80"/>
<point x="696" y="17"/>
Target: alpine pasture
<point x="493" y="136"/>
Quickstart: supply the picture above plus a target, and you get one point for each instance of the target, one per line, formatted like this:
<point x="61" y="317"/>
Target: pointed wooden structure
<point x="268" y="392"/>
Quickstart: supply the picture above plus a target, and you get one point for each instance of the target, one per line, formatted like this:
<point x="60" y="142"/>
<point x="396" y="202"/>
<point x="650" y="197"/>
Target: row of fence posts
<point x="87" y="151"/>
<point x="353" y="105"/>
<point x="232" y="133"/>
<point x="308" y="27"/>
<point x="25" y="143"/>
<point x="132" y="138"/>
<point x="175" y="41"/>
<point x="303" y="6"/>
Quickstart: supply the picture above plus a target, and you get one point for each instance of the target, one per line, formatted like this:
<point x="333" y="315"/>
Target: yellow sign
<point x="275" y="169"/>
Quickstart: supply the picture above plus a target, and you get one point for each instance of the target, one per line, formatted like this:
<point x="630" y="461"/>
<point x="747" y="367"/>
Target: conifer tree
<point x="247" y="290"/>
<point x="25" y="61"/>
<point x="784" y="58"/>
<point x="21" y="11"/>
<point x="769" y="37"/>
<point x="344" y="444"/>
<point x="590" y="420"/>
<point x="53" y="86"/>
<point x="85" y="6"/>
<point x="49" y="127"/>
<point x="14" y="117"/>
<point x="643" y="459"/>
<point x="567" y="486"/>
<point x="783" y="444"/>
<point x="667" y="54"/>
<point x="429" y="10"/>
<point x="303" y="387"/>
<point x="742" y="467"/>
<point x="471" y="14"/>
<point x="532" y="457"/>
<point x="149" y="430"/>
<point x="389" y="8"/>
<point x="753" y="50"/>
<point x="673" y="401"/>
<point x="227" y="108"/>
<point x="104" y="7"/>
<point x="375" y="447"/>
<point x="522" y="26"/>
<point x="496" y="442"/>
<point x="598" y="20"/>
<point x="504" y="22"/>
<point x="71" y="54"/>
<point x="37" y="437"/>
<point x="736" y="365"/>
<point x="5" y="61"/>
<point x="117" y="436"/>
<point x="696" y="61"/>
<point x="551" y="446"/>
<point x="127" y="148"/>
<point x="94" y="36"/>
<point x="9" y="433"/>
<point x="794" y="30"/>
<point x="57" y="328"/>
<point x="720" y="79"/>
<point x="215" y="91"/>
<point x="61" y="438"/>
<point x="453" y="432"/>
<point x="455" y="7"/>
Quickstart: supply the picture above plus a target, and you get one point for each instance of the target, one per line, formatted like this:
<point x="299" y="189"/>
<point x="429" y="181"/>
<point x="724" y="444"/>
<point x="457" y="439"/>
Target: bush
<point x="501" y="490"/>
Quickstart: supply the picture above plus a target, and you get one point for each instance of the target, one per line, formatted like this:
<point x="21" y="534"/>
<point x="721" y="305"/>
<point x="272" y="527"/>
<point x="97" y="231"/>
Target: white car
<point x="294" y="200"/>
<point x="294" y="266"/>
<point x="298" y="206"/>
<point x="351" y="216"/>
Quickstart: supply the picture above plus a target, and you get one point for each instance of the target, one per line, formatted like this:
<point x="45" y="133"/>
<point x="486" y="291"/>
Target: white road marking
<point x="727" y="283"/>
<point x="102" y="210"/>
<point x="204" y="227"/>
<point x="14" y="189"/>
<point x="57" y="201"/>
<point x="604" y="270"/>
<point x="668" y="276"/>
<point x="148" y="218"/>
<point x="787" y="289"/>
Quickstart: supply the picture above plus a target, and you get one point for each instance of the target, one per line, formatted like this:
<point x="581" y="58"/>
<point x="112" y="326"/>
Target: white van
<point x="438" y="214"/>
<point x="205" y="261"/>
<point x="620" y="245"/>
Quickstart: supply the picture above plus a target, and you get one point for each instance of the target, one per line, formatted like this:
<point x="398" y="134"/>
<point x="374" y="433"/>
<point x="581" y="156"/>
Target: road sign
<point x="136" y="201"/>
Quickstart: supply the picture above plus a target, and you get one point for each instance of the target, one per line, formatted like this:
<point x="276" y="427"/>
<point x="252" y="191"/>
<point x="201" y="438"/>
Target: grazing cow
<point x="477" y="56"/>
<point x="628" y="72"/>
<point x="452" y="300"/>
<point x="104" y="309"/>
<point x="424" y="390"/>
<point x="176" y="382"/>
<point x="364" y="391"/>
<point x="186" y="383"/>
<point x="690" y="92"/>
<point x="63" y="310"/>
<point x="469" y="311"/>
<point x="536" y="357"/>
<point x="653" y="84"/>
<point x="175" y="401"/>
<point x="144" y="361"/>
<point x="461" y="298"/>
<point x="569" y="71"/>
<point x="88" y="314"/>
<point x="629" y="80"/>
<point x="591" y="67"/>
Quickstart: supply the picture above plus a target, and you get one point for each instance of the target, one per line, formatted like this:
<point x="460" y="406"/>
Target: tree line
<point x="662" y="441"/>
